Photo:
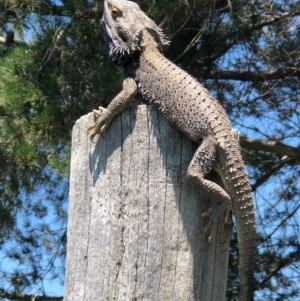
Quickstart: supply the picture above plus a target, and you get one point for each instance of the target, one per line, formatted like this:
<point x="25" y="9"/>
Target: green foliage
<point x="245" y="52"/>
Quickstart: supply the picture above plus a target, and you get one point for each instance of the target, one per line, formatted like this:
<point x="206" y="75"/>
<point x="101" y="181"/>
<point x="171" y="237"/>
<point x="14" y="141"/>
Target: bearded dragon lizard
<point x="135" y="42"/>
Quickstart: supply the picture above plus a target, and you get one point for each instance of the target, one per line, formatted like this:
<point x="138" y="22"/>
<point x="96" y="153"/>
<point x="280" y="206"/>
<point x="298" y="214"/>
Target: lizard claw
<point x="101" y="124"/>
<point x="227" y="215"/>
<point x="219" y="214"/>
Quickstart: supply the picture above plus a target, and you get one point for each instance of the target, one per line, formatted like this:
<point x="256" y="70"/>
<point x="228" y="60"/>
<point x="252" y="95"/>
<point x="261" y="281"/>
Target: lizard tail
<point x="243" y="209"/>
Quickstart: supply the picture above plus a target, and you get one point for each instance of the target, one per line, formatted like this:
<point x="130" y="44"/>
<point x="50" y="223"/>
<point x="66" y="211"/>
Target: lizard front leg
<point x="117" y="105"/>
<point x="204" y="161"/>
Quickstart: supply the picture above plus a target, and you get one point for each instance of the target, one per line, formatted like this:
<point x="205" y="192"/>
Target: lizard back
<point x="180" y="97"/>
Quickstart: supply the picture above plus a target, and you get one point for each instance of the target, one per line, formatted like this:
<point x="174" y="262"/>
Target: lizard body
<point x="134" y="41"/>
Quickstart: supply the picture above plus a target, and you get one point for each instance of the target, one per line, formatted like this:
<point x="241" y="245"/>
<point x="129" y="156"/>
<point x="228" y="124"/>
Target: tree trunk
<point x="135" y="230"/>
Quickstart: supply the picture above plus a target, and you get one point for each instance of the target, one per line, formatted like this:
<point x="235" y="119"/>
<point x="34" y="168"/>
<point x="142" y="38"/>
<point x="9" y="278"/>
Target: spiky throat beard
<point x="122" y="46"/>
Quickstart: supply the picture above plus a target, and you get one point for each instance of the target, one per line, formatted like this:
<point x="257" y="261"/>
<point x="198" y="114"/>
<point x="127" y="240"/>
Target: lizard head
<point x="122" y="25"/>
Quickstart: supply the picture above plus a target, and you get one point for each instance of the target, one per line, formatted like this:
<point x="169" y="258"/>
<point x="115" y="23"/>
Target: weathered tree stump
<point x="135" y="230"/>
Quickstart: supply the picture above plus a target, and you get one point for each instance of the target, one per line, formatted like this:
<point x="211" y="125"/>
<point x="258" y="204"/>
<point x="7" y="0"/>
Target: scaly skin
<point x="134" y="41"/>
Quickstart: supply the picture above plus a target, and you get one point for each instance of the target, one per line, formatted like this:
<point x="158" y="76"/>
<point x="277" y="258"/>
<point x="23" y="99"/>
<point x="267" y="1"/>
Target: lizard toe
<point x="218" y="216"/>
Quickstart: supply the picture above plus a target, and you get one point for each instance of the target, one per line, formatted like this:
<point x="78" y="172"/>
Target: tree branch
<point x="54" y="10"/>
<point x="268" y="174"/>
<point x="271" y="19"/>
<point x="281" y="263"/>
<point x="271" y="146"/>
<point x="254" y="23"/>
<point x="23" y="297"/>
<point x="248" y="75"/>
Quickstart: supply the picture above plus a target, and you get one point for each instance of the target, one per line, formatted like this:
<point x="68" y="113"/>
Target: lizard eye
<point x="115" y="11"/>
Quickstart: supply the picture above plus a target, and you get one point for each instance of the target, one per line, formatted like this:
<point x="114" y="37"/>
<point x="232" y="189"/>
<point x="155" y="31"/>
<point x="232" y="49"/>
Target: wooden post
<point x="135" y="230"/>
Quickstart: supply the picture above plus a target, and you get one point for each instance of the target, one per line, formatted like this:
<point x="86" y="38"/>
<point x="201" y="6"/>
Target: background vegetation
<point x="53" y="70"/>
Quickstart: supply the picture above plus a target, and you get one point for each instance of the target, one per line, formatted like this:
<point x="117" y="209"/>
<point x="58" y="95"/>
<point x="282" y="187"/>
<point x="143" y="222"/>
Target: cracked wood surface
<point x="134" y="228"/>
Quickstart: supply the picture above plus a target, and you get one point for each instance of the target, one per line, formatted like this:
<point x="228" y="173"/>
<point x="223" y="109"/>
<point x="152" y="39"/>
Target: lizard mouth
<point x="116" y="47"/>
<point x="116" y="44"/>
<point x="121" y="40"/>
